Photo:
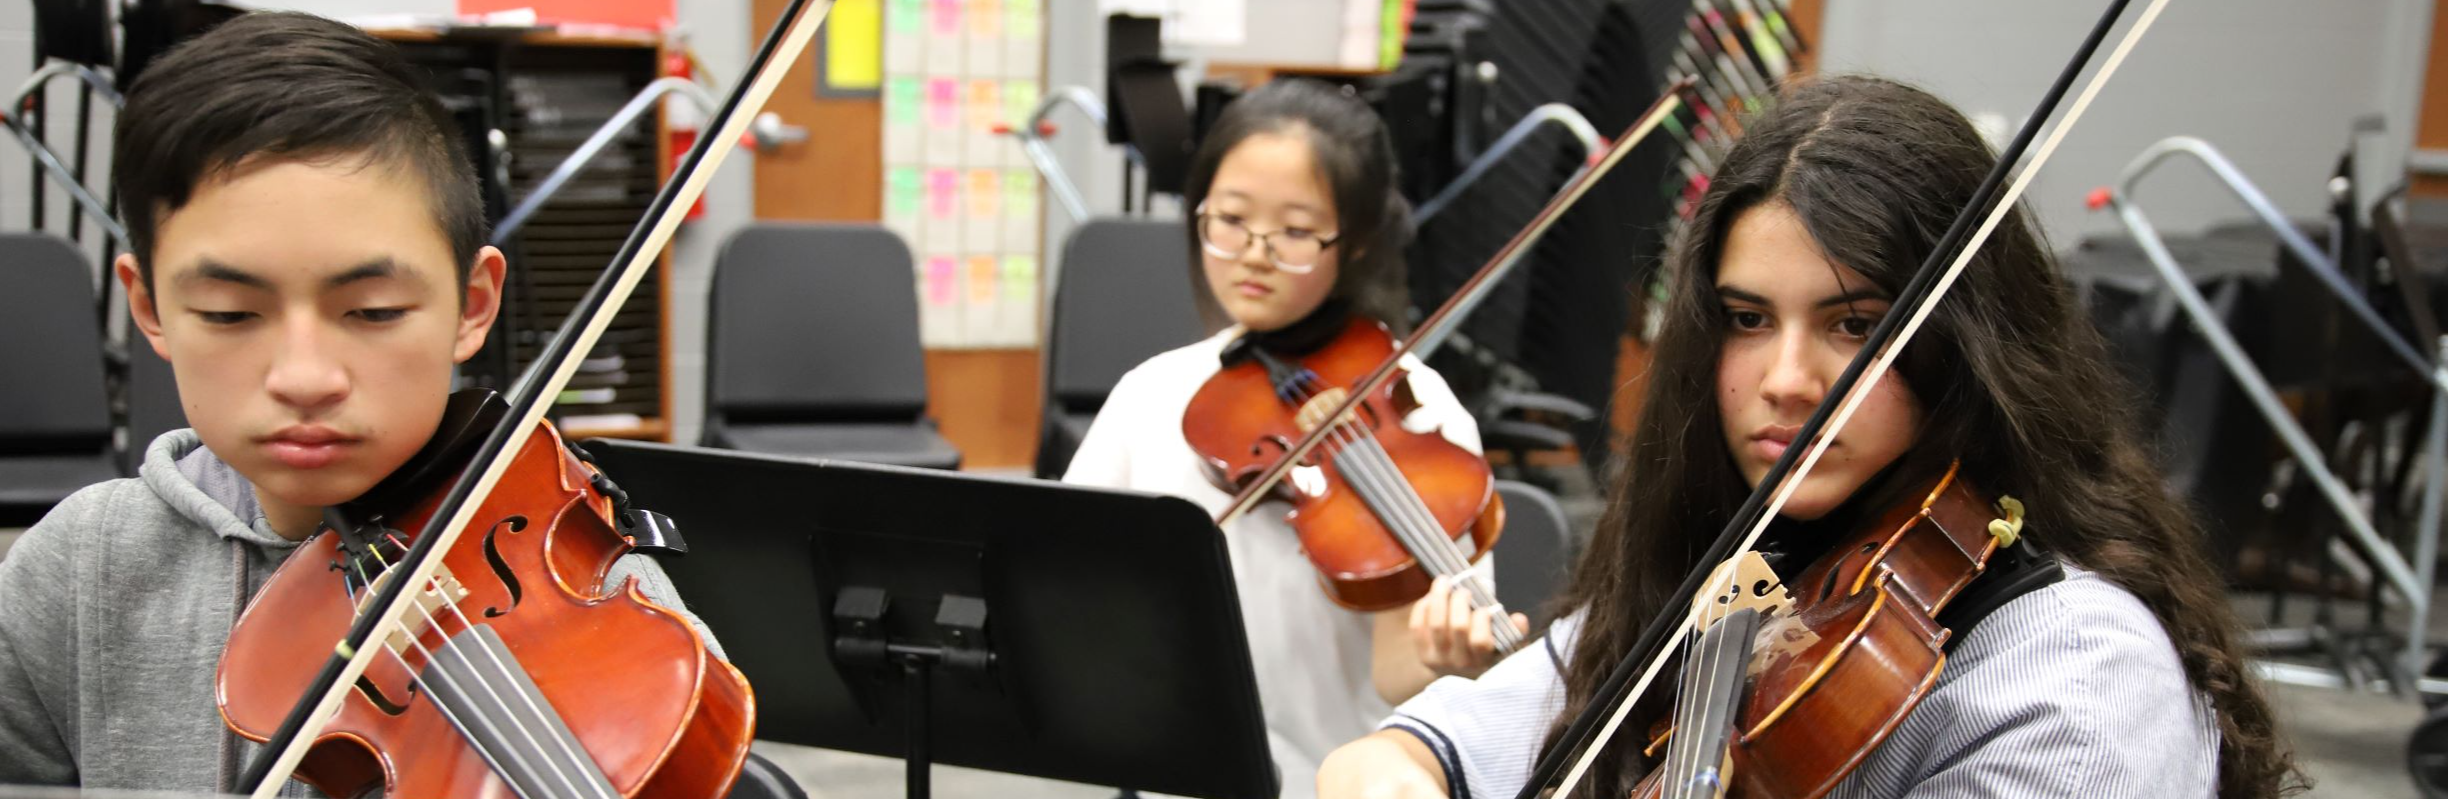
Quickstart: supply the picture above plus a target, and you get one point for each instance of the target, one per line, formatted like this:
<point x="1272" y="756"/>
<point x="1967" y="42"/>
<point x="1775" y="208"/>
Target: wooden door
<point x="985" y="400"/>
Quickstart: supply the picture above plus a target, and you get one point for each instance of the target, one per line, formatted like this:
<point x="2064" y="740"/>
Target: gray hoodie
<point x="113" y="610"/>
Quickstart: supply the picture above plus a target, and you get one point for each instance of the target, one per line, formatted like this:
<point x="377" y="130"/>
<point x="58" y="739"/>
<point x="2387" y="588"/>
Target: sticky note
<point x="985" y="103"/>
<point x="1019" y="278"/>
<point x="905" y="16"/>
<point x="903" y="191"/>
<point x="1019" y="193"/>
<point x="986" y="18"/>
<point x="1021" y="19"/>
<point x="943" y="102"/>
<point x="947" y="17"/>
<point x="943" y="190"/>
<point x="902" y="100"/>
<point x="940" y="279"/>
<point x="1019" y="100"/>
<point x="982" y="279"/>
<point x="984" y="200"/>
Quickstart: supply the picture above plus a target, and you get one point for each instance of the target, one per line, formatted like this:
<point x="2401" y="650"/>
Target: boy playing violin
<point x="309" y="256"/>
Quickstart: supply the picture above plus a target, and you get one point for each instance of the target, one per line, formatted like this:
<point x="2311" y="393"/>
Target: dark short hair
<point x="290" y="86"/>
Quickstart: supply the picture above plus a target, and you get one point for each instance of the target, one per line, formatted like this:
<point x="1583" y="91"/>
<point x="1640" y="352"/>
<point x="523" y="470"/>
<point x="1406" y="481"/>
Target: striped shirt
<point x="2071" y="690"/>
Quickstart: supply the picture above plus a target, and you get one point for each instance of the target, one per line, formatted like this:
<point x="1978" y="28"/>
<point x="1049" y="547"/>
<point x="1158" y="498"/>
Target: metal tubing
<point x="2392" y="566"/>
<point x="51" y="165"/>
<point x="1041" y="154"/>
<point x="100" y="83"/>
<point x="96" y="83"/>
<point x="2428" y="529"/>
<point x="595" y="144"/>
<point x="2321" y="266"/>
<point x="1551" y="113"/>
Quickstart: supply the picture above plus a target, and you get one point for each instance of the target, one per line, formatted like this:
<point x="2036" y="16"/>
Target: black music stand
<point x="1036" y="628"/>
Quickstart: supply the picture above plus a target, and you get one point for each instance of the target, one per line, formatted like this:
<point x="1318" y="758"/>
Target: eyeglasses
<point x="1292" y="249"/>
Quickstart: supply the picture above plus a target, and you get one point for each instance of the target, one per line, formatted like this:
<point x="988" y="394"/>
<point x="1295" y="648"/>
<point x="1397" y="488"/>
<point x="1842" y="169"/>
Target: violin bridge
<point x="1314" y="412"/>
<point x="436" y="600"/>
<point x="1744" y="582"/>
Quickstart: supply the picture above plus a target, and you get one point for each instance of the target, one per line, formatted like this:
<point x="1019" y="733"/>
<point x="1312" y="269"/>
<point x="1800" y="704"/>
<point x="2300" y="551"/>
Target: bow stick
<point x="578" y="335"/>
<point x="1921" y="295"/>
<point x="1456" y="306"/>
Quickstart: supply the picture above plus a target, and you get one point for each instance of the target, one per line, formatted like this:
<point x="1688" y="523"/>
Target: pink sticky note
<point x="943" y="102"/>
<point x="943" y="189"/>
<point x="940" y="277"/>
<point x="947" y="17"/>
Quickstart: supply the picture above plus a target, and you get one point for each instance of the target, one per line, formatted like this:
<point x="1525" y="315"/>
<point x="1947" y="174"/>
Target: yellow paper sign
<point x="854" y="46"/>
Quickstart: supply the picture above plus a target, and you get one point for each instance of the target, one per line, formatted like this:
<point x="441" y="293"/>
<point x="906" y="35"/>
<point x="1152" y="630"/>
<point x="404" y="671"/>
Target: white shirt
<point x="1311" y="656"/>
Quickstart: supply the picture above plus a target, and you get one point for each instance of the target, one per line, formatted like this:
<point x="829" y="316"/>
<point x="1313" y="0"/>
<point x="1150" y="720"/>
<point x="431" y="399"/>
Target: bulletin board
<point x="963" y="196"/>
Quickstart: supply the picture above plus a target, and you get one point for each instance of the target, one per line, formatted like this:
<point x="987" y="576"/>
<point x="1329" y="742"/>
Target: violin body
<point x="634" y="684"/>
<point x="1833" y="675"/>
<point x="1242" y="420"/>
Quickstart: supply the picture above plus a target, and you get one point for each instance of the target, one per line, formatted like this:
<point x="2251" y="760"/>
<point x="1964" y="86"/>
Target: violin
<point x="1387" y="508"/>
<point x="500" y="662"/>
<point x="1826" y="740"/>
<point x="518" y="664"/>
<point x="1854" y="645"/>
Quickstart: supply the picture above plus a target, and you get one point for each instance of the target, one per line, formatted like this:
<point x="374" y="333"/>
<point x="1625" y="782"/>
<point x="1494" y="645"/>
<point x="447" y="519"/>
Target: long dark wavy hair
<point x="1356" y="156"/>
<point x="2016" y="384"/>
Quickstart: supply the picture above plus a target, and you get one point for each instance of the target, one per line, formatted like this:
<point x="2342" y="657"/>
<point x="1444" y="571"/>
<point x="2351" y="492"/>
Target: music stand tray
<point x="1043" y="629"/>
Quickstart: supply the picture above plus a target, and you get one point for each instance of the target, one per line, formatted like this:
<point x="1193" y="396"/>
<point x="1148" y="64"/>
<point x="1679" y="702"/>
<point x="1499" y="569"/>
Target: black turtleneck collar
<point x="1799" y="542"/>
<point x="1294" y="340"/>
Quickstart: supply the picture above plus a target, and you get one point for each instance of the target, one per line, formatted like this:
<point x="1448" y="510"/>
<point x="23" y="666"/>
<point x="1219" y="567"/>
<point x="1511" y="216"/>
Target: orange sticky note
<point x="984" y="196"/>
<point x="983" y="279"/>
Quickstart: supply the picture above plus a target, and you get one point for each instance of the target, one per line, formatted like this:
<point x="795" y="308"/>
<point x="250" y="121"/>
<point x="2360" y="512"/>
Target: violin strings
<point x="1368" y="476"/>
<point x="1420" y="532"/>
<point x="1502" y="629"/>
<point x="560" y="768"/>
<point x="1679" y="750"/>
<point x="1425" y="533"/>
<point x="578" y="761"/>
<point x="1712" y="662"/>
<point x="2003" y="205"/>
<point x="444" y="677"/>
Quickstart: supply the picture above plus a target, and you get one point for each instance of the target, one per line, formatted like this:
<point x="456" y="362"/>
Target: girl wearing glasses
<point x="1297" y="226"/>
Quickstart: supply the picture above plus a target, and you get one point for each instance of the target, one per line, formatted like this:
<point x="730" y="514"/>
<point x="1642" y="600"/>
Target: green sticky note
<point x="1019" y="194"/>
<point x="1019" y="101"/>
<point x="1019" y="278"/>
<point x="1020" y="18"/>
<point x="903" y="191"/>
<point x="901" y="100"/>
<point x="905" y="16"/>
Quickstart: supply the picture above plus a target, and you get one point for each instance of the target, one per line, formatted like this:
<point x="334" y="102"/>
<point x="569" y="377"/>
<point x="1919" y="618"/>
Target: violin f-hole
<point x="1828" y="584"/>
<point x="501" y="568"/>
<point x="374" y="694"/>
